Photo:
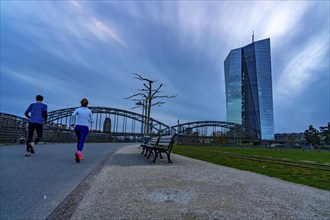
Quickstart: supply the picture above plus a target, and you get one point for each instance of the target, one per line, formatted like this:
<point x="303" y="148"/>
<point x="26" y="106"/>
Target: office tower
<point x="248" y="82"/>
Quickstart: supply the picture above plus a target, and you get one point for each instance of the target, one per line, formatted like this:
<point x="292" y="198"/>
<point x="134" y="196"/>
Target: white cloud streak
<point x="303" y="68"/>
<point x="95" y="26"/>
<point x="104" y="32"/>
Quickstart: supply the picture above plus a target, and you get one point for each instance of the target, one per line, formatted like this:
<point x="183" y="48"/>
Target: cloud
<point x="85" y="20"/>
<point x="21" y="77"/>
<point x="303" y="68"/>
<point x="278" y="19"/>
<point x="103" y="31"/>
<point x="76" y="4"/>
<point x="89" y="48"/>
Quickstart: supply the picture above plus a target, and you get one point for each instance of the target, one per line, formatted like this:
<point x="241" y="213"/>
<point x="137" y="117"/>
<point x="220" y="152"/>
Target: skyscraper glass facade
<point x="249" y="95"/>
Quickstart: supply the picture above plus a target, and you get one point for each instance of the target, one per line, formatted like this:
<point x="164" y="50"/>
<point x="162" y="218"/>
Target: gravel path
<point x="130" y="187"/>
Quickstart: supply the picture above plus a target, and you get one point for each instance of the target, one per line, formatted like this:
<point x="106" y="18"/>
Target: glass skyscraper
<point x="249" y="93"/>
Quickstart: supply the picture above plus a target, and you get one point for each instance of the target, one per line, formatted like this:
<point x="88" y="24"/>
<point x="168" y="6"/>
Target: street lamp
<point x="141" y="103"/>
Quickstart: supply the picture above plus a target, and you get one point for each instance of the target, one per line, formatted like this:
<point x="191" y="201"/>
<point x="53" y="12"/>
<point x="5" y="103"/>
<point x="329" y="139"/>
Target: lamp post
<point x="143" y="123"/>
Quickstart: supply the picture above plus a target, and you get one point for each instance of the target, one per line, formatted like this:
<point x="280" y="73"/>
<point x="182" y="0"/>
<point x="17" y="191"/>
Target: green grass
<point x="310" y="177"/>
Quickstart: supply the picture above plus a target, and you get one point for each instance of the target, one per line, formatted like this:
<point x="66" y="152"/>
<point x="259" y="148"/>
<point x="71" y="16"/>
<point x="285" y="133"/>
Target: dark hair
<point x="39" y="98"/>
<point x="84" y="102"/>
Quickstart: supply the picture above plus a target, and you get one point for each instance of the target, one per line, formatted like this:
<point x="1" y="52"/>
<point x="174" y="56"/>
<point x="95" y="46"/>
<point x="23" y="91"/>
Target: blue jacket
<point x="38" y="112"/>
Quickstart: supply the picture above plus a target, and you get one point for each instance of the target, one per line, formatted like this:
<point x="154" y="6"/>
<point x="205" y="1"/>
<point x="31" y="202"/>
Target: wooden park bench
<point x="159" y="145"/>
<point x="164" y="145"/>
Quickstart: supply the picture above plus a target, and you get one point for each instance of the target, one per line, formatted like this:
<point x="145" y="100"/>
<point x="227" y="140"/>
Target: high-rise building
<point x="248" y="82"/>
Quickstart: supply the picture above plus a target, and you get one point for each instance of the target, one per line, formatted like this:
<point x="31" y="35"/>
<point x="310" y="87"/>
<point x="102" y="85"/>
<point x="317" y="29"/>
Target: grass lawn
<point x="310" y="177"/>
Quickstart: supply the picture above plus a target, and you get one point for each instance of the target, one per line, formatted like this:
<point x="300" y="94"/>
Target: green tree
<point x="312" y="136"/>
<point x="325" y="134"/>
<point x="220" y="137"/>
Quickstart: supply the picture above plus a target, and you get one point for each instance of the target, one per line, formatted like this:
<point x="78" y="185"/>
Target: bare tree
<point x="147" y="97"/>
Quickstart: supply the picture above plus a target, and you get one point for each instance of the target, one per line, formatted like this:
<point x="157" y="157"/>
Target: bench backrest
<point x="154" y="140"/>
<point x="166" y="142"/>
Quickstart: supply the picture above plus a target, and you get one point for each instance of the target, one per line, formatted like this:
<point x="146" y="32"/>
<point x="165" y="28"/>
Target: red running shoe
<point x="78" y="156"/>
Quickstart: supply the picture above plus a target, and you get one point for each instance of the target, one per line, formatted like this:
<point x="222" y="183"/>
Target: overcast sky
<point x="67" y="50"/>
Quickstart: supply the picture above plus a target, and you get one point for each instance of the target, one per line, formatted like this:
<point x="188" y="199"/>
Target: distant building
<point x="107" y="125"/>
<point x="188" y="131"/>
<point x="249" y="93"/>
<point x="291" y="138"/>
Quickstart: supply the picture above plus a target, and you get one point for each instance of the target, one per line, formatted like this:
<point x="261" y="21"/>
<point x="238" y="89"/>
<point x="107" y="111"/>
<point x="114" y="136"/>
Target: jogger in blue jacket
<point x="37" y="115"/>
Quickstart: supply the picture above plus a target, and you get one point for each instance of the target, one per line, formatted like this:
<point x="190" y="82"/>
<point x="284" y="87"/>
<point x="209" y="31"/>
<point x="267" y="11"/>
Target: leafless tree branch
<point x="148" y="95"/>
<point x="157" y="90"/>
<point x="139" y="77"/>
<point x="166" y="96"/>
<point x="137" y="94"/>
<point x="158" y="103"/>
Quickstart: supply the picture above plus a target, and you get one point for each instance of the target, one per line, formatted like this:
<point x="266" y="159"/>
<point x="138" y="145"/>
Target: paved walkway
<point x="130" y="187"/>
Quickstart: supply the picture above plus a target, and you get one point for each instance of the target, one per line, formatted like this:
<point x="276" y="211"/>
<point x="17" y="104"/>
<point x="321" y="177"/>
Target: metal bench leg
<point x="147" y="151"/>
<point x="150" y="152"/>
<point x="168" y="158"/>
<point x="156" y="155"/>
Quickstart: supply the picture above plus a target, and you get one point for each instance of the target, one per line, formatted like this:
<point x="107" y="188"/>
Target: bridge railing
<point x="13" y="130"/>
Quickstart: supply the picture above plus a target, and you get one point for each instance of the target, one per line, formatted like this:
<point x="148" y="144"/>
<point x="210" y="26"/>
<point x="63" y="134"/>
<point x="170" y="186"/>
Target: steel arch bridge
<point x="121" y="121"/>
<point x="231" y="129"/>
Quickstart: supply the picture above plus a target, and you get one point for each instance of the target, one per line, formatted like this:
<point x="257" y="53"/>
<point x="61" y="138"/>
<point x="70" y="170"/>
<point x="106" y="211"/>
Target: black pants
<point x="34" y="127"/>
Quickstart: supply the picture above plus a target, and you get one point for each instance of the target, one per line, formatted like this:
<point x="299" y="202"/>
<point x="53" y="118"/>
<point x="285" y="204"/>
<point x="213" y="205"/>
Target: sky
<point x="68" y="50"/>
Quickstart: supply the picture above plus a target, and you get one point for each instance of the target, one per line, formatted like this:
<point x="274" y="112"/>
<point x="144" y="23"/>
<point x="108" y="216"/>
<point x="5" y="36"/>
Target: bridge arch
<point x="230" y="129"/>
<point x="121" y="121"/>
